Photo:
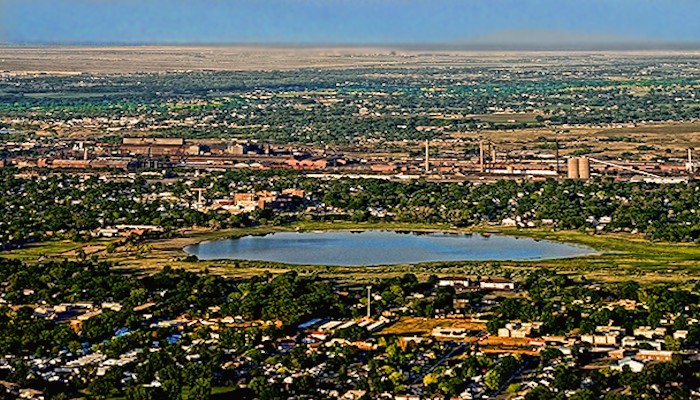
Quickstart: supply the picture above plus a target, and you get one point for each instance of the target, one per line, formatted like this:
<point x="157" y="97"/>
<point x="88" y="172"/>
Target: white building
<point x="497" y="284"/>
<point x="634" y="365"/>
<point x="454" y="281"/>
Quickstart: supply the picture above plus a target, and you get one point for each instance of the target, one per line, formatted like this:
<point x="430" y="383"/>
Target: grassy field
<point x="675" y="136"/>
<point x="217" y="392"/>
<point x="54" y="249"/>
<point x="622" y="255"/>
<point x="619" y="257"/>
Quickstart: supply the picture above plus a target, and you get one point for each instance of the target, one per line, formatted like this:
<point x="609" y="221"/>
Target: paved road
<point x="446" y="357"/>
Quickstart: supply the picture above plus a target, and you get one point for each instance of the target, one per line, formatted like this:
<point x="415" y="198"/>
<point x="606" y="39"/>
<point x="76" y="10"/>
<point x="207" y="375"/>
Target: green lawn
<point x="217" y="392"/>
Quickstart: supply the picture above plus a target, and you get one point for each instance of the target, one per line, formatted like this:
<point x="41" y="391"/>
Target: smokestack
<point x="556" y="153"/>
<point x="493" y="154"/>
<point x="690" y="166"/>
<point x="85" y="154"/>
<point x="481" y="155"/>
<point x="427" y="156"/>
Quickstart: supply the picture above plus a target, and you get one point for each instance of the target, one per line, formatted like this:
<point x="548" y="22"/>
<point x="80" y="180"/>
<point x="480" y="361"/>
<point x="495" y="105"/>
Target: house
<point x="648" y="332"/>
<point x="654" y="355"/>
<point x="634" y="365"/>
<point x="606" y="339"/>
<point x="353" y="394"/>
<point x="497" y="284"/>
<point x="620" y="353"/>
<point x="682" y="334"/>
<point x="519" y="330"/>
<point x="610" y="329"/>
<point x="106" y="232"/>
<point x="508" y="222"/>
<point x="31" y="394"/>
<point x="454" y="281"/>
<point x="461" y="304"/>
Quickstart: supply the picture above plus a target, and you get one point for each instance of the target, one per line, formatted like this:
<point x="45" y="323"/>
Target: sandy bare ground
<point x="125" y="59"/>
<point x="89" y="249"/>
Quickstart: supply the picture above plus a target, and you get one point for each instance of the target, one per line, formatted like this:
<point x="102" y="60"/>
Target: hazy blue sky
<point x="336" y="21"/>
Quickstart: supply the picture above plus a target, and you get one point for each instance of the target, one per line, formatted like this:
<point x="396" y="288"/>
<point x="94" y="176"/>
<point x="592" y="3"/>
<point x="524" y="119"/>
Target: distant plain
<point x="125" y="59"/>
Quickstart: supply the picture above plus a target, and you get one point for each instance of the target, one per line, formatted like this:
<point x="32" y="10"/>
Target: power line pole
<point x="369" y="301"/>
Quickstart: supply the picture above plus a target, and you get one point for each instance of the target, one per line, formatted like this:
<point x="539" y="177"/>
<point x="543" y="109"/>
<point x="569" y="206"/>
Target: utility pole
<point x="369" y="302"/>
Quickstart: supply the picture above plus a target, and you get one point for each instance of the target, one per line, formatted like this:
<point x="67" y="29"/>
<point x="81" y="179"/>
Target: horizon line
<point x="455" y="46"/>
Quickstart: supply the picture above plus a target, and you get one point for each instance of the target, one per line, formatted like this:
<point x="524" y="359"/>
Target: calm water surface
<point x="381" y="248"/>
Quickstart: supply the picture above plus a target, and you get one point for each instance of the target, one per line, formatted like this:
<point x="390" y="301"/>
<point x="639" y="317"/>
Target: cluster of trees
<point x="548" y="291"/>
<point x="64" y="206"/>
<point x="286" y="298"/>
<point x="451" y="382"/>
<point x="668" y="380"/>
<point x="663" y="212"/>
<point x="69" y="207"/>
<point x="290" y="299"/>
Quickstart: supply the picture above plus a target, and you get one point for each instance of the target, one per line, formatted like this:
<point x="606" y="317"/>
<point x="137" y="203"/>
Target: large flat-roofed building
<point x="149" y="146"/>
<point x="141" y="141"/>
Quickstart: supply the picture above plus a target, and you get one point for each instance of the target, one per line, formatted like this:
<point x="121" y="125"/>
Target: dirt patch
<point x="406" y="326"/>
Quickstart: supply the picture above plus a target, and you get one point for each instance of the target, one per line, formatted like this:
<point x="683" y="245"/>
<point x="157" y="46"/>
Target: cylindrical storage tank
<point x="584" y="168"/>
<point x="572" y="168"/>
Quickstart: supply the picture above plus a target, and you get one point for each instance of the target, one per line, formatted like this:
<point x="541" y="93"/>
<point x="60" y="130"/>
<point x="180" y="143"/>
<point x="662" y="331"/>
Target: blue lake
<point x="381" y="248"/>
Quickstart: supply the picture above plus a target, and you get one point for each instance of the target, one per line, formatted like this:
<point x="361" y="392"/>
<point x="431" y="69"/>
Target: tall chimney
<point x="481" y="155"/>
<point x="427" y="156"/>
<point x="690" y="168"/>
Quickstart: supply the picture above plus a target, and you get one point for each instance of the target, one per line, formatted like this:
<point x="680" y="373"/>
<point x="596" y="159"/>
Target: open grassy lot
<point x="677" y="137"/>
<point x="53" y="249"/>
<point x="623" y="256"/>
<point x="217" y="393"/>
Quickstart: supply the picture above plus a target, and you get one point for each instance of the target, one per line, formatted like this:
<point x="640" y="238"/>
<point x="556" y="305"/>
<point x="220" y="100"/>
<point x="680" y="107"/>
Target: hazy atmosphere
<point x="348" y="22"/>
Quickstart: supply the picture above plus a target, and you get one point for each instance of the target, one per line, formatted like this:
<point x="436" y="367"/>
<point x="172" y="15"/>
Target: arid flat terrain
<point x="67" y="60"/>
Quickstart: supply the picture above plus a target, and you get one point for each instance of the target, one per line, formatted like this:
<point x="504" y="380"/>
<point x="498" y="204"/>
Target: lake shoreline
<point x="382" y="246"/>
